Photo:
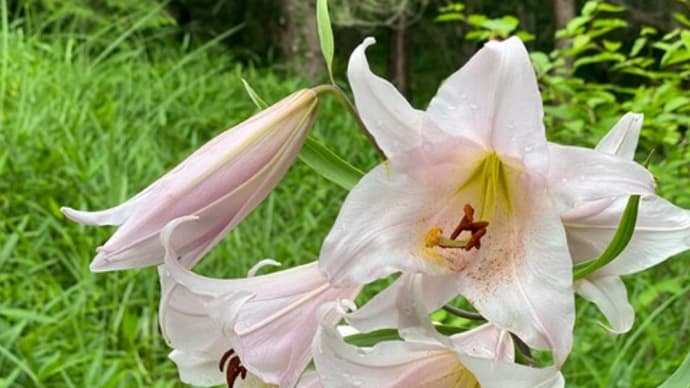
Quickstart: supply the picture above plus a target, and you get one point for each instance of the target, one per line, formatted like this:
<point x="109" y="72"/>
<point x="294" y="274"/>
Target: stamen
<point x="466" y="220"/>
<point x="477" y="229"/>
<point x="475" y="240"/>
<point x="233" y="368"/>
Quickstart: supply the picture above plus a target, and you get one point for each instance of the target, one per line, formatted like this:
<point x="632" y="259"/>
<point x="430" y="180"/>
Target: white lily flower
<point x="479" y="357"/>
<point x="227" y="330"/>
<point x="473" y="192"/>
<point x="661" y="230"/>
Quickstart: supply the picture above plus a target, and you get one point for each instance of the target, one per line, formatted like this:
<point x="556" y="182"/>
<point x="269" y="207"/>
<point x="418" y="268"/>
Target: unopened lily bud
<point x="220" y="184"/>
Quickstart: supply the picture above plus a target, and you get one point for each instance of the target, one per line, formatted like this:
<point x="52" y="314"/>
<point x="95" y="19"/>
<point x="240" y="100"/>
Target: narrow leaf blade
<point x="258" y="101"/>
<point x="624" y="232"/>
<point x="680" y="378"/>
<point x="323" y="22"/>
<point x="329" y="165"/>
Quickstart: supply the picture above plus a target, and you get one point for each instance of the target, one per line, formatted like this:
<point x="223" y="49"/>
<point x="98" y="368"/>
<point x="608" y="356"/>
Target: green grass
<point x="90" y="134"/>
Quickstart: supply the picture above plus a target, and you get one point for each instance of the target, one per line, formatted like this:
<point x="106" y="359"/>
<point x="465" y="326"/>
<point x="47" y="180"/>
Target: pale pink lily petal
<point x="114" y="216"/>
<point x="467" y="360"/>
<point x="622" y="139"/>
<point x="221" y="183"/>
<point x="267" y="320"/>
<point x="494" y="100"/>
<point x="310" y="379"/>
<point x="200" y="370"/>
<point x="579" y="175"/>
<point x="611" y="297"/>
<point x="503" y="374"/>
<point x="382" y="311"/>
<point x="395" y="125"/>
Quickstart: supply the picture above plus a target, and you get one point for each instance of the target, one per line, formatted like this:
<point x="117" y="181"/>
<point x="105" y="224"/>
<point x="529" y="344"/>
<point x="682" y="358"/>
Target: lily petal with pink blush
<point x="467" y="191"/>
<point x="661" y="230"/>
<point x="479" y="357"/>
<point x="224" y="330"/>
<point x="220" y="183"/>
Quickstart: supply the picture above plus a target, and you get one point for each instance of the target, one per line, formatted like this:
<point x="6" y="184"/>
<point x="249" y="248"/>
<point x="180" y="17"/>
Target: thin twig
<point x="463" y="313"/>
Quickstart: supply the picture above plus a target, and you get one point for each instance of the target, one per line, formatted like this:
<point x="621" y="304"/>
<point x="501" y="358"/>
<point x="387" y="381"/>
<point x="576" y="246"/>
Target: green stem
<point x="463" y="313"/>
<point x="345" y="102"/>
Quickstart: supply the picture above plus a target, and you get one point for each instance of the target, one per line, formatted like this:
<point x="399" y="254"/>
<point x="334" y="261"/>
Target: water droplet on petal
<point x="474" y="106"/>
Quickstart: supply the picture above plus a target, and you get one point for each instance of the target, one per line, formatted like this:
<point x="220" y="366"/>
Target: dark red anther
<point x="467" y="223"/>
<point x="475" y="240"/>
<point x="233" y="367"/>
<point x="467" y="220"/>
<point x="224" y="358"/>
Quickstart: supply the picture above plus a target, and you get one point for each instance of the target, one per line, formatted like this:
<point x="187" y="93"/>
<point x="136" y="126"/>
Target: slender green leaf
<point x="323" y="21"/>
<point x="329" y="165"/>
<point x="624" y="232"/>
<point x="681" y="377"/>
<point x="372" y="338"/>
<point x="258" y="101"/>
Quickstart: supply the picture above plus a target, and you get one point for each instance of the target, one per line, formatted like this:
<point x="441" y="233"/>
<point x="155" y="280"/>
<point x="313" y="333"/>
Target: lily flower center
<point x="491" y="176"/>
<point x="232" y="366"/>
<point x="477" y="229"/>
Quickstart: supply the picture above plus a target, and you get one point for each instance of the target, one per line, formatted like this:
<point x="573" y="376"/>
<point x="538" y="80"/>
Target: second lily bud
<point x="220" y="184"/>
